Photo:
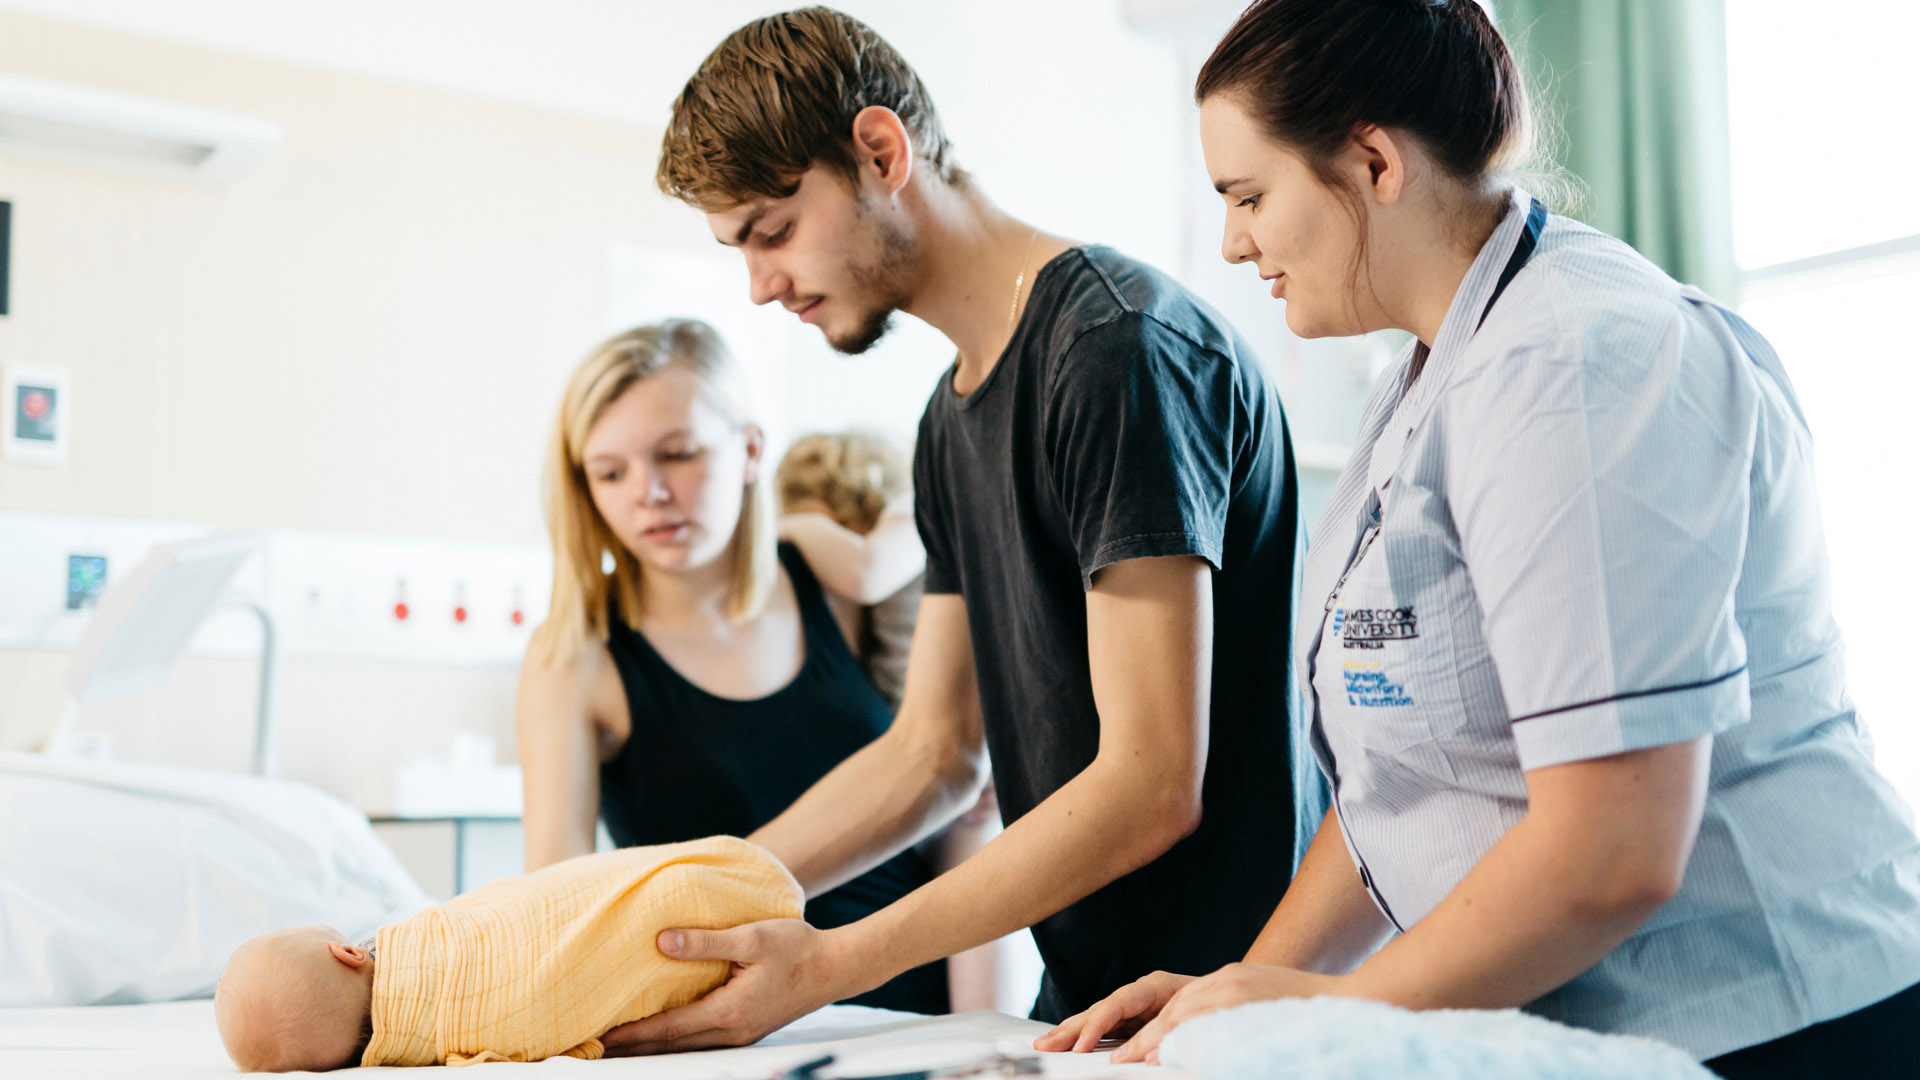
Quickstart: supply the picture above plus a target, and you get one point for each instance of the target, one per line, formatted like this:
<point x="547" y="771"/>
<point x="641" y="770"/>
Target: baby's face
<point x="295" y="999"/>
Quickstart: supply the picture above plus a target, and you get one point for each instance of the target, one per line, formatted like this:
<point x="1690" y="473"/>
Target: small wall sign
<point x="35" y="413"/>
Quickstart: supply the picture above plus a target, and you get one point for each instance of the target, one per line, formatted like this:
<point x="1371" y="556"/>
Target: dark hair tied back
<point x="1313" y="71"/>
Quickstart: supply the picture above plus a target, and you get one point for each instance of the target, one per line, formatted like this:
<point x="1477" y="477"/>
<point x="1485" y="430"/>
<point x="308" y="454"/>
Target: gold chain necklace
<point x="1013" y="309"/>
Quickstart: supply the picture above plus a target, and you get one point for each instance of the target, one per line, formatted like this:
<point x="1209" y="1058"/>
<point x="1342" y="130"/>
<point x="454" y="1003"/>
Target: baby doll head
<point x="296" y="999"/>
<point x="849" y="477"/>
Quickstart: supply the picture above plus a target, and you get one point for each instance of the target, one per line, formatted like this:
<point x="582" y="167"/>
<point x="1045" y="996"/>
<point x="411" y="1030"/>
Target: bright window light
<point x="1858" y="375"/>
<point x="1824" y="112"/>
<point x="1825" y="107"/>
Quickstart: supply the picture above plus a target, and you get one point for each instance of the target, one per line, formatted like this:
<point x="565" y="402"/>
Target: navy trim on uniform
<point x="1522" y="251"/>
<point x="1529" y="239"/>
<point x="1635" y="694"/>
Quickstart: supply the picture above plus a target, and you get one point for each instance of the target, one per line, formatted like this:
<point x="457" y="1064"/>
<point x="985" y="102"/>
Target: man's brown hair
<point x="777" y="97"/>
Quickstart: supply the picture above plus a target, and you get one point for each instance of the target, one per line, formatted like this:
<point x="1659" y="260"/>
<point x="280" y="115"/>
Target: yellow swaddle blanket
<point x="542" y="965"/>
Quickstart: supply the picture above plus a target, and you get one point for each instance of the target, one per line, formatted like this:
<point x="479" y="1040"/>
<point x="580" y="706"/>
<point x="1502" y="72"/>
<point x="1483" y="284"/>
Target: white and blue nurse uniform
<point x="1585" y="523"/>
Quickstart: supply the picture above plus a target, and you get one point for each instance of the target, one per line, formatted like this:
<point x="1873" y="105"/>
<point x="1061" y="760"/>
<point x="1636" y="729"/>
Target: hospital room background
<point x="289" y="291"/>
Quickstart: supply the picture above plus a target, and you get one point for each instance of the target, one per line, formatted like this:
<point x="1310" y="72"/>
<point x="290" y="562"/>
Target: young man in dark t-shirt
<point x="1106" y="493"/>
<point x="1124" y="421"/>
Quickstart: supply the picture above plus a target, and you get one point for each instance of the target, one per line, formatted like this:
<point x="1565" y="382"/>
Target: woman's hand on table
<point x="1119" y="1015"/>
<point x="1155" y="1005"/>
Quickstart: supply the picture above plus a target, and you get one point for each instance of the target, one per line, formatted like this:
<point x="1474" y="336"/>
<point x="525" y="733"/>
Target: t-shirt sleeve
<point x="931" y="513"/>
<point x="1602" y="514"/>
<point x="1140" y="431"/>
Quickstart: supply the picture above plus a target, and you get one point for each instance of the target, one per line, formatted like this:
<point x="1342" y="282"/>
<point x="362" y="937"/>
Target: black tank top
<point x="697" y="764"/>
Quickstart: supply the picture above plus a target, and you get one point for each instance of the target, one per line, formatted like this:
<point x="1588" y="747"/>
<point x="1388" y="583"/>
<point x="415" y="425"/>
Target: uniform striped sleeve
<point x="1600" y="491"/>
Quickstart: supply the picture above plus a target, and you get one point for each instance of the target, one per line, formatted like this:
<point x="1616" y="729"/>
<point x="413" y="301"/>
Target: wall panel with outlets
<point x="340" y="595"/>
<point x="362" y="693"/>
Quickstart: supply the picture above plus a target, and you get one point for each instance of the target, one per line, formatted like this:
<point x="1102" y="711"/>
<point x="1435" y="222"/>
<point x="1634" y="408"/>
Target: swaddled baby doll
<point x="518" y="970"/>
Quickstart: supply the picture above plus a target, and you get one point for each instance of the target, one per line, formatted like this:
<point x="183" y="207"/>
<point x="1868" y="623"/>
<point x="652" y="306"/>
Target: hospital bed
<point x="124" y="887"/>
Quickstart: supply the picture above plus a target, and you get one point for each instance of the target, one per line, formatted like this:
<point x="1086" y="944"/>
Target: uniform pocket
<point x="1389" y="664"/>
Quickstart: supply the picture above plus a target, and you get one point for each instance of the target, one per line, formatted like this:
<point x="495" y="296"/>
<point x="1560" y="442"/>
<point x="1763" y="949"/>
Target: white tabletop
<point x="178" y="1040"/>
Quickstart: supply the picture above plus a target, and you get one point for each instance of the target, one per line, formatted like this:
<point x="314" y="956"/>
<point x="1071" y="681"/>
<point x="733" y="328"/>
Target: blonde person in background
<point x="702" y="683"/>
<point x="846" y="503"/>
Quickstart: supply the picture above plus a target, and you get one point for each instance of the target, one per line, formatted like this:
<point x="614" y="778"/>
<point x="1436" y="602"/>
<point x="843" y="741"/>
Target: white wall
<point x="363" y="333"/>
<point x="367" y="332"/>
<point x="404" y="282"/>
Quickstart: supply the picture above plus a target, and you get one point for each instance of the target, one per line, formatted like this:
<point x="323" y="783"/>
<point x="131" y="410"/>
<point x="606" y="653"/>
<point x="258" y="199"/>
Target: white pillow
<point x="124" y="883"/>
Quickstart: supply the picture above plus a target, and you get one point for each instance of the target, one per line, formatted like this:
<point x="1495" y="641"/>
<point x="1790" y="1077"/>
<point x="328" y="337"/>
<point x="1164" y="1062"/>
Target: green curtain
<point x="1638" y="89"/>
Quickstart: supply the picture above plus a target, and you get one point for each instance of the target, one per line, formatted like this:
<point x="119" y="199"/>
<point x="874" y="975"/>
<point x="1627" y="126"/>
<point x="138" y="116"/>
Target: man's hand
<point x="783" y="969"/>
<point x="1235" y="984"/>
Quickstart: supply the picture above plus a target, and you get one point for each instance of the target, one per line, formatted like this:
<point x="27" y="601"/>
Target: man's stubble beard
<point x="885" y="279"/>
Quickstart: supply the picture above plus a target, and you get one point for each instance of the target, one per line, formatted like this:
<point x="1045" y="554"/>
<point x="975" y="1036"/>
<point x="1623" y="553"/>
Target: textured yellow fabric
<point x="542" y="965"/>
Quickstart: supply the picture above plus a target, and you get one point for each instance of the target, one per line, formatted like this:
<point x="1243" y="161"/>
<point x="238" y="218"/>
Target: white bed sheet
<point x="124" y="883"/>
<point x="178" y="1041"/>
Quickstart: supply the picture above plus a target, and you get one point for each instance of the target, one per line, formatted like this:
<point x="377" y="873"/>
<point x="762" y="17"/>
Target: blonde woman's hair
<point x="854" y="474"/>
<point x="582" y="541"/>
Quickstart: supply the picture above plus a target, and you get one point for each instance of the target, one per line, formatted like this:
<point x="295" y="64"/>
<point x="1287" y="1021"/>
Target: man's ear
<point x="885" y="150"/>
<point x="351" y="955"/>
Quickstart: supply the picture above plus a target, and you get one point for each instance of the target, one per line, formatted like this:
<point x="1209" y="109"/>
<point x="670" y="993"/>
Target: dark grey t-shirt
<point x="1127" y="420"/>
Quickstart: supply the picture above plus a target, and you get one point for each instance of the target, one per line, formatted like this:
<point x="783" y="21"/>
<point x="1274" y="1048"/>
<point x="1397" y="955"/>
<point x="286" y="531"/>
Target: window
<point x="1826" y="207"/>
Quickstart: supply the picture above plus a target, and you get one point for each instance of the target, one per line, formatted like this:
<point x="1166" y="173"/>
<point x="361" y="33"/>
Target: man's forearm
<point x="1326" y="922"/>
<point x="876" y="803"/>
<point x="1094" y="829"/>
<point x="1149" y="649"/>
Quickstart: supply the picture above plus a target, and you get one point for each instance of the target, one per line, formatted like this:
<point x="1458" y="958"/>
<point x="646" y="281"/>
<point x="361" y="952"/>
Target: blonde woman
<point x="703" y="682"/>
